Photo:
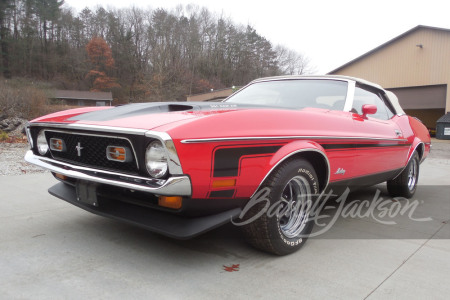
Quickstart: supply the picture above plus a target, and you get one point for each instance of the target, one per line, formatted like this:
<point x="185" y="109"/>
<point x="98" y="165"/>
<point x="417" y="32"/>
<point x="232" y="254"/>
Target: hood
<point x="143" y="115"/>
<point x="200" y="120"/>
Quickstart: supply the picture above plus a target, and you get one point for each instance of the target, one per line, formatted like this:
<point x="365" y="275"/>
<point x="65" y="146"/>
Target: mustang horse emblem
<point x="79" y="148"/>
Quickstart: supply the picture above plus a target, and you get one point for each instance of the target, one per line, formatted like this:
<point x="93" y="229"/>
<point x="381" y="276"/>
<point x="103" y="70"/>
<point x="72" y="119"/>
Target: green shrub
<point x="3" y="135"/>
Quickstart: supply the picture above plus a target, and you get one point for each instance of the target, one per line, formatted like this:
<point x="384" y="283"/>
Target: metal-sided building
<point x="415" y="66"/>
<point x="82" y="98"/>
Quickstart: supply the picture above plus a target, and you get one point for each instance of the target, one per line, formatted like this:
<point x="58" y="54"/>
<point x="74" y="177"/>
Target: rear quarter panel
<point x="421" y="135"/>
<point x="416" y="133"/>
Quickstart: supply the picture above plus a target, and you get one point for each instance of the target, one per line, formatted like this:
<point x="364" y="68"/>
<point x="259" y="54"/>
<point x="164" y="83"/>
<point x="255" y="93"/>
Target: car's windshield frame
<point x="346" y="96"/>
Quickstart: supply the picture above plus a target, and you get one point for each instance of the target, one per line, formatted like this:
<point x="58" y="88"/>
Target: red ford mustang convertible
<point x="181" y="169"/>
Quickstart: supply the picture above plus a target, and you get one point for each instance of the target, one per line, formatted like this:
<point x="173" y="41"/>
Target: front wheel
<point x="285" y="224"/>
<point x="405" y="184"/>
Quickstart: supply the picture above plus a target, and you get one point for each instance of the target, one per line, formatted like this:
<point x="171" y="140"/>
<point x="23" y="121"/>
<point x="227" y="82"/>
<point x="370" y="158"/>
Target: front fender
<point x="308" y="149"/>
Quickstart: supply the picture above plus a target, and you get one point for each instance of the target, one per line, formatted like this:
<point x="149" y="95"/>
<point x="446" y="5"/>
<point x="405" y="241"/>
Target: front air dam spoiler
<point x="174" y="226"/>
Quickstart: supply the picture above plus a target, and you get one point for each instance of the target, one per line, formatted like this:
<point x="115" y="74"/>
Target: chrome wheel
<point x="296" y="202"/>
<point x="412" y="175"/>
<point x="405" y="184"/>
<point x="286" y="224"/>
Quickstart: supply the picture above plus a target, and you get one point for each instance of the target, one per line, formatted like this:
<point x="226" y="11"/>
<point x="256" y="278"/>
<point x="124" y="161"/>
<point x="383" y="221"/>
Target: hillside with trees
<point x="138" y="54"/>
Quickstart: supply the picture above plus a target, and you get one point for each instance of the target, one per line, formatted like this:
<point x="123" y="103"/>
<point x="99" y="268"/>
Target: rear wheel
<point x="405" y="184"/>
<point x="284" y="227"/>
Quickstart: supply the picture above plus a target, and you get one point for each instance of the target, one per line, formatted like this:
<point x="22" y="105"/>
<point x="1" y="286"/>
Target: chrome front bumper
<point x="172" y="186"/>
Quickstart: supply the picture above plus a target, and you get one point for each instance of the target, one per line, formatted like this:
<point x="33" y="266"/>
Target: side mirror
<point x="368" y="109"/>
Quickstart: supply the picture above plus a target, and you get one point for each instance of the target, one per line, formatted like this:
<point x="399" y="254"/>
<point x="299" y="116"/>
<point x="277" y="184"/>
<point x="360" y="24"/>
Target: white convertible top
<point x="394" y="101"/>
<point x="287" y="77"/>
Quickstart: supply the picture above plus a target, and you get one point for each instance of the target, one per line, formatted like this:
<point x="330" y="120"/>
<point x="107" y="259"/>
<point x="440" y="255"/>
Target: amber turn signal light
<point x="57" y="145"/>
<point x="223" y="183"/>
<point x="170" y="202"/>
<point x="117" y="153"/>
<point x="61" y="176"/>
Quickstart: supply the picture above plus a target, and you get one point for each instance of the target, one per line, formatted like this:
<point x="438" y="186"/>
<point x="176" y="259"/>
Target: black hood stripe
<point x="140" y="109"/>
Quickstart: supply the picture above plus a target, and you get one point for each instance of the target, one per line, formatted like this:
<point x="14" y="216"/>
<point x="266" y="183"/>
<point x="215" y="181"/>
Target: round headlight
<point x="42" y="144"/>
<point x="156" y="159"/>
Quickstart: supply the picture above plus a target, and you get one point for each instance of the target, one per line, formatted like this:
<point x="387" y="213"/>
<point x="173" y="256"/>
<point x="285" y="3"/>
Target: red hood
<point x="139" y="116"/>
<point x="201" y="120"/>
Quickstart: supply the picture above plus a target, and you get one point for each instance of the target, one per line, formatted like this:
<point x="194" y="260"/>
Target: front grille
<point x="90" y="151"/>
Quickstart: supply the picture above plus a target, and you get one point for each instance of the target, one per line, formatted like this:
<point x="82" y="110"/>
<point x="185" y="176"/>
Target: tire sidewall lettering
<point x="309" y="176"/>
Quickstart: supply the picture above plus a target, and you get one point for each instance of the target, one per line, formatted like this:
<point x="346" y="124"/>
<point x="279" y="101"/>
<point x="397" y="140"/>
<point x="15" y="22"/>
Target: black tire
<point x="405" y="184"/>
<point x="281" y="235"/>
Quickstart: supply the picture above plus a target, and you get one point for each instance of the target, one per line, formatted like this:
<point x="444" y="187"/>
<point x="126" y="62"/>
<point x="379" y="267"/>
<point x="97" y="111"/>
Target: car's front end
<point x="129" y="174"/>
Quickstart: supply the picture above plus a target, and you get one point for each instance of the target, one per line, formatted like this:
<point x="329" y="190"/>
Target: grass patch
<point x="3" y="136"/>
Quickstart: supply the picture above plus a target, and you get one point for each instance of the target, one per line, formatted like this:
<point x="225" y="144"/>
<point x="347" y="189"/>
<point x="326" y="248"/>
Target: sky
<point x="329" y="33"/>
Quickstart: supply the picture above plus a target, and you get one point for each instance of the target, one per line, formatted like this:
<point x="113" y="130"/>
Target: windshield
<point x="296" y="94"/>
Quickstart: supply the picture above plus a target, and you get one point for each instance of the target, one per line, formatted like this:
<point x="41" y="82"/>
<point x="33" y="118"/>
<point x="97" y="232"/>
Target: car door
<point x="381" y="148"/>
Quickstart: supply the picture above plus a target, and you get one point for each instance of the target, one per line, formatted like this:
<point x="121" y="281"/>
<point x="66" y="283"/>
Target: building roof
<point x="388" y="43"/>
<point x="83" y="95"/>
<point x="444" y="119"/>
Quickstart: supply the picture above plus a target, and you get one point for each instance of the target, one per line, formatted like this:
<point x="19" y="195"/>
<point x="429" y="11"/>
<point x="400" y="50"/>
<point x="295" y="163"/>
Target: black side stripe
<point x="222" y="194"/>
<point x="226" y="160"/>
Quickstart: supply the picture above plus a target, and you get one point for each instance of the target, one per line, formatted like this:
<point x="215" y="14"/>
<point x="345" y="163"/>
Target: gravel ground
<point x="12" y="162"/>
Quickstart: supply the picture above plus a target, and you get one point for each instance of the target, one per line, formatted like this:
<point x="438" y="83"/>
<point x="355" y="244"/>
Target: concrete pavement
<point x="50" y="249"/>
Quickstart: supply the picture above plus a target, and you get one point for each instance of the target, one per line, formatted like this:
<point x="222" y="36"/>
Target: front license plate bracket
<point x="87" y="192"/>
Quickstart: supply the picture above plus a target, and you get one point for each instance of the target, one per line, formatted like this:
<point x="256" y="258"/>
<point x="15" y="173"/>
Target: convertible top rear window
<point x="296" y="94"/>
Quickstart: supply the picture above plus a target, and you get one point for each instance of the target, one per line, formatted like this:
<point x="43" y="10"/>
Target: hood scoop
<point x="132" y="110"/>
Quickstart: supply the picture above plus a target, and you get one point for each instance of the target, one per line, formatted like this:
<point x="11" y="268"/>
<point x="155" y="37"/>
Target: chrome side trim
<point x="100" y="135"/>
<point x="291" y="154"/>
<point x="252" y="138"/>
<point x="173" y="186"/>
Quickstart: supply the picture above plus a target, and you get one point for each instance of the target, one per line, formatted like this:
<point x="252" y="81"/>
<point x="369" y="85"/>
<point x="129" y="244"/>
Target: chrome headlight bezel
<point x="41" y="143"/>
<point x="156" y="159"/>
<point x="29" y="137"/>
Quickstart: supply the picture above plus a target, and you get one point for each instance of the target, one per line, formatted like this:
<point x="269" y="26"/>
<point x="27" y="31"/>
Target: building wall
<point x="424" y="97"/>
<point x="80" y="102"/>
<point x="403" y="64"/>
